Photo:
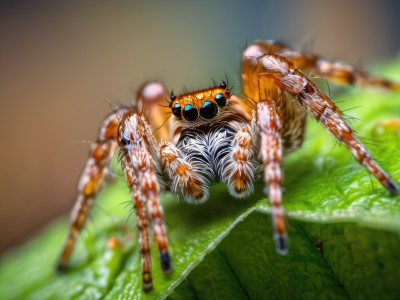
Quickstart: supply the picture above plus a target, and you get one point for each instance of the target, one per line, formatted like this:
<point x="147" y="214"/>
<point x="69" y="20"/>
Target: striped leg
<point x="346" y="74"/>
<point x="337" y="72"/>
<point x="91" y="181"/>
<point x="135" y="144"/>
<point x="277" y="70"/>
<point x="270" y="125"/>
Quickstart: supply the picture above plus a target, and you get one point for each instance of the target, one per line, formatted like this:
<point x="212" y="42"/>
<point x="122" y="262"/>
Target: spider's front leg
<point x="269" y="124"/>
<point x="91" y="181"/>
<point x="138" y="157"/>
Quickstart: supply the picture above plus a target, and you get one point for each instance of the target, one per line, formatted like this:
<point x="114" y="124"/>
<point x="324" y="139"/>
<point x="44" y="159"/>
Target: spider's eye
<point x="125" y="141"/>
<point x="208" y="110"/>
<point x="190" y="113"/>
<point x="176" y="110"/>
<point x="172" y="96"/>
<point x="220" y="99"/>
<point x="222" y="84"/>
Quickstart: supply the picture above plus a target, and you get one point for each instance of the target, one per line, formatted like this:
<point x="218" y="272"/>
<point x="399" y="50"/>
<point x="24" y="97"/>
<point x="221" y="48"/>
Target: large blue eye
<point x="190" y="113"/>
<point x="220" y="99"/>
<point x="176" y="110"/>
<point x="208" y="110"/>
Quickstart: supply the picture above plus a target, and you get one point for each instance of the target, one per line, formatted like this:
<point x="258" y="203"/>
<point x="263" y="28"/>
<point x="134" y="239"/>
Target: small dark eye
<point x="222" y="84"/>
<point x="190" y="113"/>
<point x="125" y="141"/>
<point x="220" y="99"/>
<point x="208" y="110"/>
<point x="176" y="110"/>
<point x="172" y="96"/>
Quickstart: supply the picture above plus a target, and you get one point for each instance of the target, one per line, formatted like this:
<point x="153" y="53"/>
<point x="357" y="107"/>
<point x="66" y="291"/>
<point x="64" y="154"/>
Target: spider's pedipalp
<point x="239" y="168"/>
<point x="184" y="179"/>
<point x="91" y="180"/>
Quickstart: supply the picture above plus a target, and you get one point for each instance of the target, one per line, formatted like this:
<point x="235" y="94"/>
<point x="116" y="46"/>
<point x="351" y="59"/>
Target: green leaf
<point x="343" y="232"/>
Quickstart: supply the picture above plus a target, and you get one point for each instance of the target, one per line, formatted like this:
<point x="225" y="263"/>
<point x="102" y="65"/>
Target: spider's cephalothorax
<point x="204" y="104"/>
<point x="215" y="136"/>
<point x="209" y="134"/>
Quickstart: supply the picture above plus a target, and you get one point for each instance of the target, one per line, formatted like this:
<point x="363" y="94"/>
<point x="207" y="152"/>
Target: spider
<point x="215" y="136"/>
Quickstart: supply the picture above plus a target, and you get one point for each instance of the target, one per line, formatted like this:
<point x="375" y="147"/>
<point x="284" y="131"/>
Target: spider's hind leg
<point x="337" y="72"/>
<point x="91" y="181"/>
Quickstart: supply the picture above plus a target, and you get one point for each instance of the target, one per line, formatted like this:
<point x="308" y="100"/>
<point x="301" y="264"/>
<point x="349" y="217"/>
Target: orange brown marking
<point x="338" y="72"/>
<point x="91" y="181"/>
<point x="110" y="131"/>
<point x="240" y="182"/>
<point x="100" y="152"/>
<point x="113" y="243"/>
<point x="181" y="170"/>
<point x="270" y="125"/>
<point x="239" y="169"/>
<point x="138" y="167"/>
<point x="193" y="188"/>
<point x="280" y="225"/>
<point x="239" y="156"/>
<point x="198" y="98"/>
<point x="282" y="75"/>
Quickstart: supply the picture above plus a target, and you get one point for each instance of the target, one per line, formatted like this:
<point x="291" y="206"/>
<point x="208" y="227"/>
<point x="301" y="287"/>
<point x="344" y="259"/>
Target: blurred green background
<point x="59" y="60"/>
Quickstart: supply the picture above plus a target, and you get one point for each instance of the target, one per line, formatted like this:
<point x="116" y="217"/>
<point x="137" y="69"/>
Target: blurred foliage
<point x="343" y="231"/>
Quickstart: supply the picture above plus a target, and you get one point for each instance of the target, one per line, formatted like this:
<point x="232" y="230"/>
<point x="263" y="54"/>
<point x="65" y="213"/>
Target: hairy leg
<point x="91" y="180"/>
<point x="337" y="72"/>
<point x="270" y="125"/>
<point x="135" y="143"/>
<point x="264" y="72"/>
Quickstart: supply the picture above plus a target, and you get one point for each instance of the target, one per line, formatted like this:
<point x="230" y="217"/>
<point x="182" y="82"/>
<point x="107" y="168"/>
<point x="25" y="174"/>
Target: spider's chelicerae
<point x="215" y="136"/>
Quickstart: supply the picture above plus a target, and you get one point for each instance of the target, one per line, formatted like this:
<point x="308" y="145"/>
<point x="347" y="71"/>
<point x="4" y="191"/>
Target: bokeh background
<point x="59" y="60"/>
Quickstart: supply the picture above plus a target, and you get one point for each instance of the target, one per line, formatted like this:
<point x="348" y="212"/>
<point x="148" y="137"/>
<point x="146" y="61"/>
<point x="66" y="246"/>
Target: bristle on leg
<point x="269" y="123"/>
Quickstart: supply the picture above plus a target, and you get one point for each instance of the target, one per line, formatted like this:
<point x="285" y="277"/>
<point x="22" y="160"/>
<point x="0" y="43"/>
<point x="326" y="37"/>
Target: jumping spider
<point x="215" y="136"/>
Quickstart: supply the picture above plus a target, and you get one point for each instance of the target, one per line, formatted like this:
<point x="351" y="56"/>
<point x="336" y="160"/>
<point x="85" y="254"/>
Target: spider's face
<point x="200" y="104"/>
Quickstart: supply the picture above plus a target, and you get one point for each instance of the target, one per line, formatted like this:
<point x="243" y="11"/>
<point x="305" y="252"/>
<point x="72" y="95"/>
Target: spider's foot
<point x="165" y="262"/>
<point x="147" y="282"/>
<point x="392" y="188"/>
<point x="147" y="287"/>
<point x="62" y="267"/>
<point x="281" y="246"/>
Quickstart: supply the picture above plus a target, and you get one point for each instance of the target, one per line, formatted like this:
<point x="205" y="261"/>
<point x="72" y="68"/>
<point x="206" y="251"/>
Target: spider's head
<point x="204" y="103"/>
